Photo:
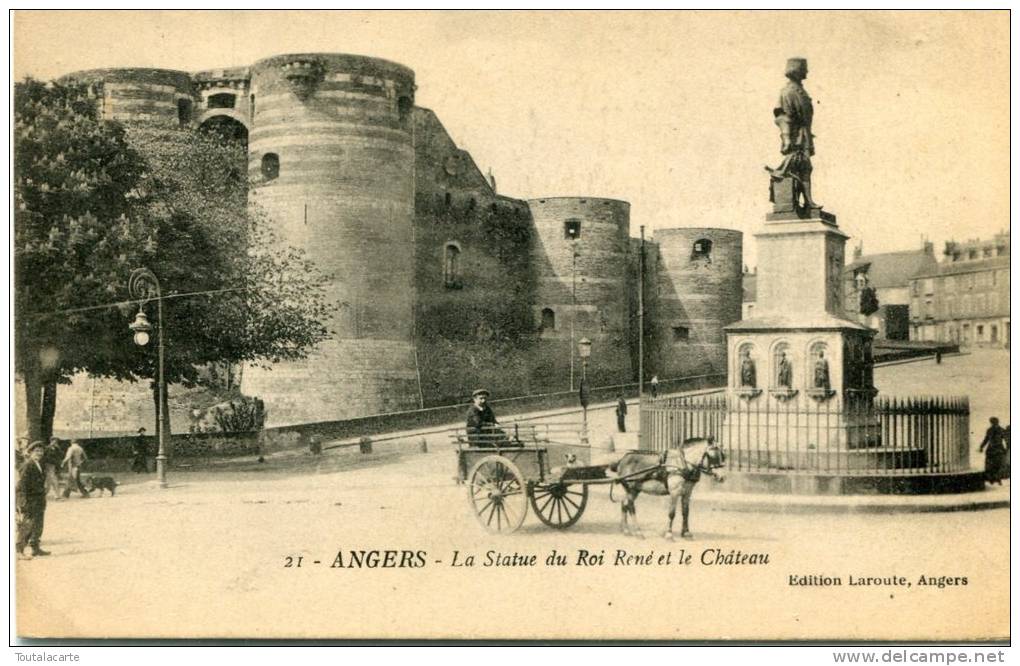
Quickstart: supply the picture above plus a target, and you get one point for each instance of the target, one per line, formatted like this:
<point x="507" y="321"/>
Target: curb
<point x="852" y="504"/>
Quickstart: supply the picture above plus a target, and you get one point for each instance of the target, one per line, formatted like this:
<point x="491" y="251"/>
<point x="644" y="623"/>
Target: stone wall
<point x="162" y="96"/>
<point x="698" y="291"/>
<point x="581" y="255"/>
<point x="474" y="282"/>
<point x="331" y="161"/>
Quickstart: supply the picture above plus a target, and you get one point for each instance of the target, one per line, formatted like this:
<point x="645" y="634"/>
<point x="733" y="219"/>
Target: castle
<point x="441" y="283"/>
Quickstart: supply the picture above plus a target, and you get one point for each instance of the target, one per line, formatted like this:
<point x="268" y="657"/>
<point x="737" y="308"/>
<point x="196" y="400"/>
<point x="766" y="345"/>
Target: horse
<point x="673" y="472"/>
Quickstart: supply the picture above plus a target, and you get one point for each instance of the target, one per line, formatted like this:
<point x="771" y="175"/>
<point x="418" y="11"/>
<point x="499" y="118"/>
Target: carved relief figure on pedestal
<point x="748" y="375"/>
<point x="784" y="371"/>
<point x="790" y="185"/>
<point x="821" y="373"/>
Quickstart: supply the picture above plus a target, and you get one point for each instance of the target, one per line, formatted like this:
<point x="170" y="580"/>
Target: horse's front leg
<point x="685" y="508"/>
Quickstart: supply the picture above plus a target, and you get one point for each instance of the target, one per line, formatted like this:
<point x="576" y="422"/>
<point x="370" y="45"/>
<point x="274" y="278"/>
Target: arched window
<point x="252" y="104"/>
<point x="782" y="366"/>
<point x="270" y="166"/>
<point x="221" y="101"/>
<point x="702" y="249"/>
<point x="572" y="229"/>
<point x="548" y="319"/>
<point x="451" y="266"/>
<point x="183" y="112"/>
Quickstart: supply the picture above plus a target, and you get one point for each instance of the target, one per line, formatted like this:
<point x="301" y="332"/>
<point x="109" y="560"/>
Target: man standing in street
<point x="621" y="414"/>
<point x="74" y="459"/>
<point x="140" y="463"/>
<point x="30" y="498"/>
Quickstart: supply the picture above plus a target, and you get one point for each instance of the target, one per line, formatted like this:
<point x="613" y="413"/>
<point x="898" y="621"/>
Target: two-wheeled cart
<point x="508" y="469"/>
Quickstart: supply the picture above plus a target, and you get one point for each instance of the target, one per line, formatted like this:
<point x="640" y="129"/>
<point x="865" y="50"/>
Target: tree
<point x="869" y="301"/>
<point x="75" y="232"/>
<point x="167" y="199"/>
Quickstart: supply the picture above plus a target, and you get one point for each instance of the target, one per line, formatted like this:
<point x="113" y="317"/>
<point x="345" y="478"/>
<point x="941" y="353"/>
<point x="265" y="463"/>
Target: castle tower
<point x="697" y="292"/>
<point x="580" y="252"/>
<point x="140" y="95"/>
<point x="331" y="161"/>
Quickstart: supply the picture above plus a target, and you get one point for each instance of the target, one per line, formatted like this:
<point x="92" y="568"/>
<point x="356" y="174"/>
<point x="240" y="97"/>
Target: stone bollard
<point x="424" y="445"/>
<point x="365" y="444"/>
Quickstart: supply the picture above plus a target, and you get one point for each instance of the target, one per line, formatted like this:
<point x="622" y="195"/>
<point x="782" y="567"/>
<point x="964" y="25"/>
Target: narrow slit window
<point x="572" y="229"/>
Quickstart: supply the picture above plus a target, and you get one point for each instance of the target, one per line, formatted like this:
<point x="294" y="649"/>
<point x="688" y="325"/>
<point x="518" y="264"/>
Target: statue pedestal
<point x="799" y="316"/>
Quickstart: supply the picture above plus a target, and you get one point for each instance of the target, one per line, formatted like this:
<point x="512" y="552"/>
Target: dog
<point x="101" y="483"/>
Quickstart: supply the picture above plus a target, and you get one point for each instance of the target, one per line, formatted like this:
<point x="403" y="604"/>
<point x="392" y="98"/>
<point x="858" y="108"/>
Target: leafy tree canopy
<point x="94" y="201"/>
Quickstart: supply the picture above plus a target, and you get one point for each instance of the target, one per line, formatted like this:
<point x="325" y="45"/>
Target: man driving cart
<point x="482" y="428"/>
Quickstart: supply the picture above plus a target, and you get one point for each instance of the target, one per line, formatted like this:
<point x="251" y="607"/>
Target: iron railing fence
<point x="883" y="435"/>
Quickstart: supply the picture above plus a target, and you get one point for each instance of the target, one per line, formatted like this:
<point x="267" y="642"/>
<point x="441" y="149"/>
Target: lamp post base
<point x="161" y="470"/>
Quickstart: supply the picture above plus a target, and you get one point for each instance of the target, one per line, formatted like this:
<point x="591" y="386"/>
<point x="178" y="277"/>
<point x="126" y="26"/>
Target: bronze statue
<point x="785" y="376"/>
<point x="793" y="116"/>
<point x="822" y="372"/>
<point x="748" y="375"/>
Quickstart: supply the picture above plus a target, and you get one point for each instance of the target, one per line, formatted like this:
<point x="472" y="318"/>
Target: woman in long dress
<point x="996" y="454"/>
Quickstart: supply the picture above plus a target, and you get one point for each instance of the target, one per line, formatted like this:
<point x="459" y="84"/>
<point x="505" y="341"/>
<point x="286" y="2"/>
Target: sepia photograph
<point x="528" y="326"/>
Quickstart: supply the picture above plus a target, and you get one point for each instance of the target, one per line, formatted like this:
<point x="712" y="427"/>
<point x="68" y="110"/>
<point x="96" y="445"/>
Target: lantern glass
<point x="141" y="338"/>
<point x="584" y="348"/>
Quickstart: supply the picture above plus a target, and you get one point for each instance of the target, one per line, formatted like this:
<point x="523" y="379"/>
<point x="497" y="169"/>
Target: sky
<point x="671" y="111"/>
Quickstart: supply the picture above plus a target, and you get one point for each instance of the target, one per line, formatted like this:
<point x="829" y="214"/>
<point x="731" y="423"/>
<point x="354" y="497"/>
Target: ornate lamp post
<point x="584" y="351"/>
<point x="144" y="287"/>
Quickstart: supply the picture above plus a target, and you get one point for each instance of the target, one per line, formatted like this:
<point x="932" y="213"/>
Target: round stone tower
<point x="331" y="162"/>
<point x="580" y="252"/>
<point x="161" y="96"/>
<point x="698" y="291"/>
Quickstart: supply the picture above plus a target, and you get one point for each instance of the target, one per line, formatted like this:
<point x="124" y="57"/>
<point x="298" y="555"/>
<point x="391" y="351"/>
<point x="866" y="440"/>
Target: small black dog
<point x="101" y="483"/>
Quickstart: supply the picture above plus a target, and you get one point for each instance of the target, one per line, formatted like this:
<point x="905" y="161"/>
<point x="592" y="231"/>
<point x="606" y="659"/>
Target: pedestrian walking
<point x="73" y="460"/>
<point x="996" y="453"/>
<point x="51" y="463"/>
<point x="655" y="386"/>
<point x="140" y="460"/>
<point x="621" y="414"/>
<point x="30" y="502"/>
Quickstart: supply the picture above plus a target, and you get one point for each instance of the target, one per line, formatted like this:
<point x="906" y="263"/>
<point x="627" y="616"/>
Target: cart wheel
<point x="558" y="505"/>
<point x="498" y="494"/>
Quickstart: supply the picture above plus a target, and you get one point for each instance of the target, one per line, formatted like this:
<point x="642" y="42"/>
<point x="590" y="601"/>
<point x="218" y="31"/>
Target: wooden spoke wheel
<point x="558" y="505"/>
<point x="498" y="494"/>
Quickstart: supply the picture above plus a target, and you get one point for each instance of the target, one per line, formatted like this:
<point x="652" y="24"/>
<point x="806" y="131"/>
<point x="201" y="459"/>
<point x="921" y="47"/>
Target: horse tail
<point x="611" y="486"/>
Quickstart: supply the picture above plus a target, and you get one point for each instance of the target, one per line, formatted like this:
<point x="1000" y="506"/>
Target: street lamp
<point x="144" y="287"/>
<point x="584" y="351"/>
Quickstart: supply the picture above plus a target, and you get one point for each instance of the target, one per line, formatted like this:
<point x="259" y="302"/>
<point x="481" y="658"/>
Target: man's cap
<point x="36" y="445"/>
<point x="141" y="430"/>
<point x="479" y="392"/>
<point x="795" y="64"/>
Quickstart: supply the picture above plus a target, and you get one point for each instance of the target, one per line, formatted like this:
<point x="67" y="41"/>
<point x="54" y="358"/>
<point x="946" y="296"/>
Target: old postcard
<point x="493" y="325"/>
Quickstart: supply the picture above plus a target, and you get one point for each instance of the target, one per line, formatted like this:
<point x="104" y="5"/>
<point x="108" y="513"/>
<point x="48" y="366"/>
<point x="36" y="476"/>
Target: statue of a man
<point x="821" y="372"/>
<point x="748" y="375"/>
<point x="793" y="116"/>
<point x="785" y="374"/>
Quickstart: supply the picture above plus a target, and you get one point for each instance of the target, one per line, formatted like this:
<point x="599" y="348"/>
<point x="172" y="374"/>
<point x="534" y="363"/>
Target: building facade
<point x="440" y="283"/>
<point x="876" y="289"/>
<point x="965" y="298"/>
